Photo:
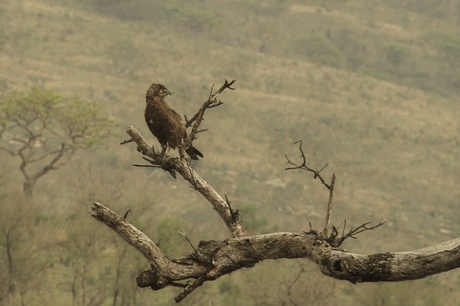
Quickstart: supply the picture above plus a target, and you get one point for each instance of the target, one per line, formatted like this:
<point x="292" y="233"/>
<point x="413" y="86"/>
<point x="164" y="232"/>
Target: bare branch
<point x="182" y="166"/>
<point x="198" y="117"/>
<point x="126" y="141"/>
<point x="51" y="165"/>
<point x="304" y="166"/>
<point x="317" y="174"/>
<point x="336" y="242"/>
<point x="188" y="240"/>
<point x="126" y="214"/>
<point x="329" y="206"/>
<point x="211" y="102"/>
<point x="212" y="259"/>
<point x="235" y="213"/>
<point x="166" y="269"/>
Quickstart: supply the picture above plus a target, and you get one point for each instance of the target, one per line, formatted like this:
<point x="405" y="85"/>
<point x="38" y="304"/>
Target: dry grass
<point x="394" y="148"/>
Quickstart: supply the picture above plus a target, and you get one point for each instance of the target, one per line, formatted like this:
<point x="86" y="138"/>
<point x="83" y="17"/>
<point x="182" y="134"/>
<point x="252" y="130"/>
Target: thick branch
<point x="183" y="167"/>
<point x="166" y="269"/>
<point x="212" y="259"/>
<point x="392" y="266"/>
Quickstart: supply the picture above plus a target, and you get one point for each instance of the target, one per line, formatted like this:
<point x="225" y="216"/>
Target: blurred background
<point x="371" y="86"/>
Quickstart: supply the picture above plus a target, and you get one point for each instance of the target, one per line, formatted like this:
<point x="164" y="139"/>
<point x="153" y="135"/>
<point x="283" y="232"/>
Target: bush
<point x="396" y="53"/>
<point x="319" y="49"/>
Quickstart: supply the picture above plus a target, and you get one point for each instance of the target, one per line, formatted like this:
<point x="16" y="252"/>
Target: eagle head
<point x="158" y="90"/>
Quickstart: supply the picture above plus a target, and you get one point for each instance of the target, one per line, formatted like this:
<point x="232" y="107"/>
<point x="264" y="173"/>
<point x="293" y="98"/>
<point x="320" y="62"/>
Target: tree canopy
<point x="43" y="129"/>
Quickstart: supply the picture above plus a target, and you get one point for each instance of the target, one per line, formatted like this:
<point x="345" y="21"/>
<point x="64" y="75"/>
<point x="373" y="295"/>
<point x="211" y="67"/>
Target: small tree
<point x="44" y="129"/>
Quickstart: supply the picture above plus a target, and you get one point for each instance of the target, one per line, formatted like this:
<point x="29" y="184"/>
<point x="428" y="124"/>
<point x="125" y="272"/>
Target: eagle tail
<point x="194" y="153"/>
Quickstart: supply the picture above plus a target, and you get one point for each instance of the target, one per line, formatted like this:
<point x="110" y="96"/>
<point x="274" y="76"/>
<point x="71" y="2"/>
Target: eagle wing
<point x="165" y="124"/>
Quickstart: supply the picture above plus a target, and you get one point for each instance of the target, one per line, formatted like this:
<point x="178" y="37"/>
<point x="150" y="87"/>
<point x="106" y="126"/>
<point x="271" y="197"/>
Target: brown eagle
<point x="165" y="123"/>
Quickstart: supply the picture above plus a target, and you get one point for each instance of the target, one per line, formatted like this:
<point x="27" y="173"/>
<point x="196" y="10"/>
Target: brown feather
<point x="164" y="122"/>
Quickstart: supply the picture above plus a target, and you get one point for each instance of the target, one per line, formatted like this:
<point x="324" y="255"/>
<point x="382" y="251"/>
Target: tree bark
<point x="212" y="259"/>
<point x="182" y="166"/>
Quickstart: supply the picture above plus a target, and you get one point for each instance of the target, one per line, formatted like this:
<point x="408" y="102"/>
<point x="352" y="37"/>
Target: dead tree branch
<point x="304" y="166"/>
<point x="316" y="174"/>
<point x="329" y="206"/>
<point x="182" y="166"/>
<point x="209" y="103"/>
<point x="212" y="259"/>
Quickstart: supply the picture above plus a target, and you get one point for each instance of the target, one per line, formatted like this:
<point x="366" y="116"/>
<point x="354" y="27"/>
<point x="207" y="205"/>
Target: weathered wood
<point x="212" y="259"/>
<point x="393" y="266"/>
<point x="183" y="167"/>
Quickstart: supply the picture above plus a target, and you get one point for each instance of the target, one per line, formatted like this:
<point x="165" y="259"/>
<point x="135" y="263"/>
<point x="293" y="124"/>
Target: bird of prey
<point x="165" y="123"/>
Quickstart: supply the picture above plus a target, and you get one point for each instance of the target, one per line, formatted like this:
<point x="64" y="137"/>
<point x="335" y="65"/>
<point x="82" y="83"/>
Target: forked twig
<point x="316" y="174"/>
<point x="304" y="166"/>
<point x="336" y="242"/>
<point x="198" y="117"/>
<point x="210" y="103"/>
<point x="188" y="240"/>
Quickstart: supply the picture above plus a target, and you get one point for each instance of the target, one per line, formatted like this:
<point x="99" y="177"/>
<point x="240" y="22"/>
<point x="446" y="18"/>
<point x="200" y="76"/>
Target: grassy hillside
<point x="370" y="86"/>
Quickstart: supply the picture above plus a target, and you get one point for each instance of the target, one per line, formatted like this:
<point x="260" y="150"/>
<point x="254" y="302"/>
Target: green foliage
<point x="396" y="53"/>
<point x="352" y="46"/>
<point x="321" y="50"/>
<point x="33" y="108"/>
<point x="42" y="129"/>
<point x="253" y="222"/>
<point x="43" y="115"/>
<point x="229" y="292"/>
<point x="190" y="17"/>
<point x="412" y="293"/>
<point x="85" y="122"/>
<point x="171" y="243"/>
<point x="41" y="218"/>
<point x="450" y="50"/>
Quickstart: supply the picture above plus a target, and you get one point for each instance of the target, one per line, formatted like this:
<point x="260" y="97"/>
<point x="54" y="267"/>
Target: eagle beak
<point x="166" y="92"/>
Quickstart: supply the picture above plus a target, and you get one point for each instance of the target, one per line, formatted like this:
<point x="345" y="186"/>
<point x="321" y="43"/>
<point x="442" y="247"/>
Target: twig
<point x="188" y="240"/>
<point x="234" y="213"/>
<point x="126" y="214"/>
<point x="189" y="166"/>
<point x="362" y="228"/>
<point x="190" y="287"/>
<point x="304" y="166"/>
<point x="146" y="166"/>
<point x="198" y="117"/>
<point x="334" y="242"/>
<point x="316" y="174"/>
<point x="126" y="141"/>
<point x="212" y="101"/>
<point x="329" y="206"/>
<point x="344" y="226"/>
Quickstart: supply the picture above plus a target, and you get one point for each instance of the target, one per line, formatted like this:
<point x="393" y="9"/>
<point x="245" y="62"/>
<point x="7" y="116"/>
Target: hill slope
<point x="374" y="89"/>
